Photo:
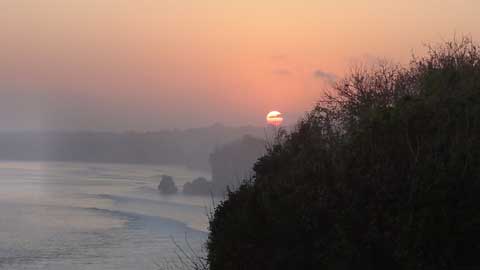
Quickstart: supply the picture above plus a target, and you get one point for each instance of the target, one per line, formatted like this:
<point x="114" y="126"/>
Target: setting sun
<point x="274" y="118"/>
<point x="241" y="134"/>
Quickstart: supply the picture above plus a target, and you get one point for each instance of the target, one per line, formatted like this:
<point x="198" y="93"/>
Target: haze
<point x="148" y="65"/>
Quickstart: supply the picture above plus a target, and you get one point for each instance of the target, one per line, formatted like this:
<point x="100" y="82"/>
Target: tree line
<point x="384" y="173"/>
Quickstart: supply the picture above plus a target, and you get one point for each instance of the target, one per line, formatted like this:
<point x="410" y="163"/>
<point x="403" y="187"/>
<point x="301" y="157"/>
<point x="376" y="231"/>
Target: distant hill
<point x="190" y="147"/>
<point x="232" y="163"/>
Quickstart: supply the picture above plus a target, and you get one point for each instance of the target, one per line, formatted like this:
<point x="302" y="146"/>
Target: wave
<point x="147" y="222"/>
<point x="126" y="199"/>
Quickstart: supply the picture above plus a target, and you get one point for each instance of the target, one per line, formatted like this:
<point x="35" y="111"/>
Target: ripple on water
<point x="49" y="218"/>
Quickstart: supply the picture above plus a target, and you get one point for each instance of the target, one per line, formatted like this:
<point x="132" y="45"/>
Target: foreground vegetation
<point x="383" y="174"/>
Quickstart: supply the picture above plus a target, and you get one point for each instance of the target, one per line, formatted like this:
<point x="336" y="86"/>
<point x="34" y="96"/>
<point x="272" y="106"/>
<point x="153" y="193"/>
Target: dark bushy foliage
<point x="167" y="186"/>
<point x="383" y="174"/>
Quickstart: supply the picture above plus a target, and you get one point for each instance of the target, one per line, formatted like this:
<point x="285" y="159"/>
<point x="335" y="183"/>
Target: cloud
<point x="323" y="75"/>
<point x="279" y="58"/>
<point x="282" y="72"/>
<point x="364" y="59"/>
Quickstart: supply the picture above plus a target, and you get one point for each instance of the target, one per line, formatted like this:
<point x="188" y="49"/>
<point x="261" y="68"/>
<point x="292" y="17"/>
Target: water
<point x="94" y="216"/>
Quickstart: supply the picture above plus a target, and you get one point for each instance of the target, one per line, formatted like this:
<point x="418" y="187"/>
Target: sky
<point x="121" y="65"/>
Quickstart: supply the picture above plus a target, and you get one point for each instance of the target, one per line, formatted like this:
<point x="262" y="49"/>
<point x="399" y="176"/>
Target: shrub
<point x="384" y="173"/>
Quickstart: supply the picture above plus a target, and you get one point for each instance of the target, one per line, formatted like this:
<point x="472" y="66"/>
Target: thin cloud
<point x="279" y="58"/>
<point x="282" y="72"/>
<point x="323" y="75"/>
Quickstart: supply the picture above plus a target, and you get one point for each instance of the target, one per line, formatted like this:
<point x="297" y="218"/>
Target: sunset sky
<point x="154" y="64"/>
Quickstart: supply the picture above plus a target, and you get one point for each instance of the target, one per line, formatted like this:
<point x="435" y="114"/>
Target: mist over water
<point x="94" y="216"/>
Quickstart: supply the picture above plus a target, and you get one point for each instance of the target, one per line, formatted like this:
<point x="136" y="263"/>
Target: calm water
<point x="94" y="216"/>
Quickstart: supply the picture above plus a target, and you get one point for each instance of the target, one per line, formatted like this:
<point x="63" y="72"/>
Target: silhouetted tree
<point x="384" y="173"/>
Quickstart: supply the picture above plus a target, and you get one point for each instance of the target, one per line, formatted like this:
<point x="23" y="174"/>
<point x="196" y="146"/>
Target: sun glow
<point x="274" y="118"/>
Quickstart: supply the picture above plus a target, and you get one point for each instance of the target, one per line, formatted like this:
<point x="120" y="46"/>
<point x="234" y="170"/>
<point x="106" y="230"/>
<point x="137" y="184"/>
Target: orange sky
<point x="152" y="64"/>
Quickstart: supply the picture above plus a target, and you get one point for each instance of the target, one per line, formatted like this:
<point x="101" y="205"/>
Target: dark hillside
<point x="383" y="174"/>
